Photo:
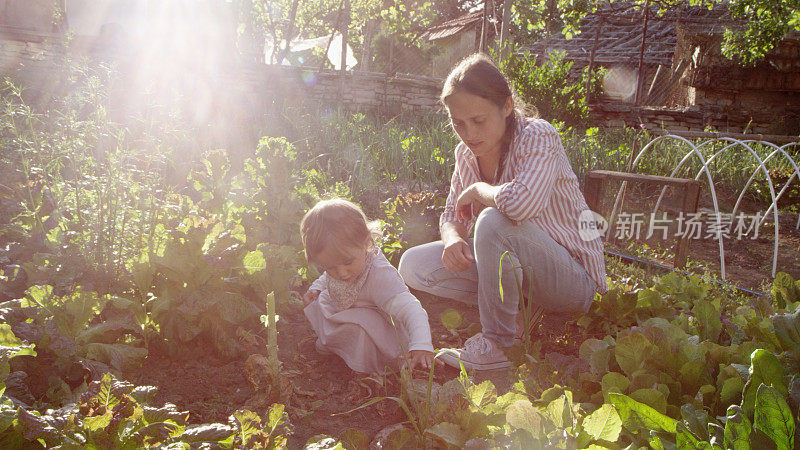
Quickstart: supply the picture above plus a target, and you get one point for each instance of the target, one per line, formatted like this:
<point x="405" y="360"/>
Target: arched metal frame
<point x="694" y="150"/>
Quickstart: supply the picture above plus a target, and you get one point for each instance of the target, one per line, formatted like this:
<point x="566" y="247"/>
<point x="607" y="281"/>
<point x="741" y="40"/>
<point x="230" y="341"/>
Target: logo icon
<point x="591" y="225"/>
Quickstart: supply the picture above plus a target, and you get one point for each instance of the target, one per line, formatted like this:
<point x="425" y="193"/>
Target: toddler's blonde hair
<point x="336" y="225"/>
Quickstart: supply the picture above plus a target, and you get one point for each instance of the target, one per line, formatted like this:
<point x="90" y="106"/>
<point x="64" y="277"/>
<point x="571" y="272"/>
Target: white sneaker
<point x="478" y="353"/>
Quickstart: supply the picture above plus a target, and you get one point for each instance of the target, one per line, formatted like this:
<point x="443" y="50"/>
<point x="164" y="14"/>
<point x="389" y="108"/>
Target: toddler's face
<point x="346" y="265"/>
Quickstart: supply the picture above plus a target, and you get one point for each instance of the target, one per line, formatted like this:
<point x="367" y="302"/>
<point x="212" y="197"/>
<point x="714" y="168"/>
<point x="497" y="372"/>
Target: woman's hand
<point x="474" y="198"/>
<point x="457" y="256"/>
<point x="310" y="296"/>
<point x="420" y="358"/>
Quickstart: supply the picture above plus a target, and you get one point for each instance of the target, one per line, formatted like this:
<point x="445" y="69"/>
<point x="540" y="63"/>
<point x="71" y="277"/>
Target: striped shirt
<point x="536" y="183"/>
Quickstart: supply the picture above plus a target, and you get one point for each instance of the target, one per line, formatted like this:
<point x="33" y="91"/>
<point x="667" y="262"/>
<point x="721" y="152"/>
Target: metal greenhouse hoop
<point x="733" y="144"/>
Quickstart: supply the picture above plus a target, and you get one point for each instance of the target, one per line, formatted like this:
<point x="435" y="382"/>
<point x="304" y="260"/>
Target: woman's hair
<point x="478" y="75"/>
<point x="335" y="225"/>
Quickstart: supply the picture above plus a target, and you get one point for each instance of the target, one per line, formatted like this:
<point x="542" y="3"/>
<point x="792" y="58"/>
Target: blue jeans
<point x="558" y="282"/>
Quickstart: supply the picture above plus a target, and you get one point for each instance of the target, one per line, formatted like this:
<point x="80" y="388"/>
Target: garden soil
<point x="748" y="260"/>
<point x="324" y="389"/>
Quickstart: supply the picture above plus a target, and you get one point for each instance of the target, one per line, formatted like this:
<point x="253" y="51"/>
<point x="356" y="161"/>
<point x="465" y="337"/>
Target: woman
<point x="513" y="182"/>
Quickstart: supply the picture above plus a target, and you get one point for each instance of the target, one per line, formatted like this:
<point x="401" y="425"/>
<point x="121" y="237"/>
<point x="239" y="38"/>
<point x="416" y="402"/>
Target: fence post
<point x="591" y="58"/>
<point x="482" y="42"/>
<point x="345" y="24"/>
<point x="504" y="27"/>
<point x="640" y="75"/>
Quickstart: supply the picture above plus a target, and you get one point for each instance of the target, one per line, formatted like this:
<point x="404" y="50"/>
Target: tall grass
<point x="81" y="181"/>
<point x="398" y="155"/>
<point x="611" y="149"/>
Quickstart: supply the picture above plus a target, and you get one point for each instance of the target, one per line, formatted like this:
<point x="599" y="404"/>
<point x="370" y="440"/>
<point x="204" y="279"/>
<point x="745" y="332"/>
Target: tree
<point x="538" y="19"/>
<point x="398" y="22"/>
<point x="766" y="23"/>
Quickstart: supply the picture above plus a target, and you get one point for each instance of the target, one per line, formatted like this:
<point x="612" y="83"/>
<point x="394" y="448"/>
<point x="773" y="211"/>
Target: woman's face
<point x="479" y="123"/>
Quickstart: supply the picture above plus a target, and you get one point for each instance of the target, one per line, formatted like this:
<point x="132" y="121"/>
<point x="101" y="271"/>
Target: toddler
<point x="360" y="307"/>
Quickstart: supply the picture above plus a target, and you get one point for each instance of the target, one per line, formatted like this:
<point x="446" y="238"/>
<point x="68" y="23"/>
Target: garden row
<point x="116" y="242"/>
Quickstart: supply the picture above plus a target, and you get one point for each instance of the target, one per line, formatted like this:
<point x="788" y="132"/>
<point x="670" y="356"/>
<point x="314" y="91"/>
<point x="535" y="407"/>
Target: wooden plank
<point x="593" y="186"/>
<point x="689" y="193"/>
<point x="691" y="198"/>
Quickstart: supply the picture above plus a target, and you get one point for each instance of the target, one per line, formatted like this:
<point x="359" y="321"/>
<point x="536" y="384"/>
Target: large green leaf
<point x="603" y="424"/>
<point x="787" y="329"/>
<point x="614" y="382"/>
<point x="254" y="262"/>
<point x="275" y="416"/>
<point x="648" y="298"/>
<point x="8" y="412"/>
<point x="213" y="432"/>
<point x="774" y="418"/>
<point x="105" y="332"/>
<point x="632" y="351"/>
<point x="708" y="320"/>
<point x="597" y="353"/>
<point x="38" y="296"/>
<point x="97" y="423"/>
<point x="643" y="380"/>
<point x="478" y="394"/>
<point x="523" y="415"/>
<point x="684" y="440"/>
<point x="156" y="433"/>
<point x="765" y="368"/>
<point x="449" y="433"/>
<point x="737" y="429"/>
<point x="118" y="356"/>
<point x="785" y="290"/>
<point x="693" y="375"/>
<point x="730" y="384"/>
<point x="636" y="415"/>
<point x="11" y="346"/>
<point x="81" y="307"/>
<point x="560" y="412"/>
<point x="651" y="397"/>
<point x="248" y="424"/>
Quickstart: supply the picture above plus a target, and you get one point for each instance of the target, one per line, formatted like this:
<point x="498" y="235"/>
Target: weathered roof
<point x="454" y="26"/>
<point x="616" y="34"/>
<point x="451" y="27"/>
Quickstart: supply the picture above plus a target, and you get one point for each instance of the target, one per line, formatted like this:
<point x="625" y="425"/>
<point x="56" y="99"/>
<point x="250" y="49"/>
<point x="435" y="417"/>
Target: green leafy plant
<point x="76" y="334"/>
<point x="547" y="86"/>
<point x="410" y="219"/>
<point x="116" y="414"/>
<point x="196" y="295"/>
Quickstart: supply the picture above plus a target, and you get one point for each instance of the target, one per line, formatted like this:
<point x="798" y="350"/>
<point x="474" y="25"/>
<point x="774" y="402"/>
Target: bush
<point x="549" y="86"/>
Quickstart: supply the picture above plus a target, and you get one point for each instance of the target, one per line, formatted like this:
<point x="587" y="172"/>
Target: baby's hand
<point x="310" y="296"/>
<point x="420" y="358"/>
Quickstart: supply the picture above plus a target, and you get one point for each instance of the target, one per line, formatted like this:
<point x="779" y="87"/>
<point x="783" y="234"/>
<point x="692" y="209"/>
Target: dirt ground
<point x="324" y="388"/>
<point x="748" y="260"/>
